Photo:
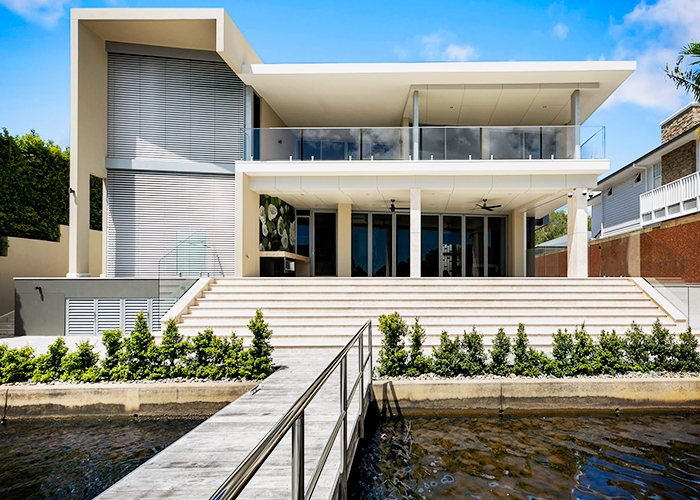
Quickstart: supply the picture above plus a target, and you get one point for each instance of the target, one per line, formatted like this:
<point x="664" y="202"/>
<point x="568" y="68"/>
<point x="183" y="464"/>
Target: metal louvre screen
<point x="174" y="109"/>
<point x="150" y="214"/>
<point x="94" y="316"/>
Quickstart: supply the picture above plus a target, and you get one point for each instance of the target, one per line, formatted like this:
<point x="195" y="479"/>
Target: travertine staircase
<point x="318" y="312"/>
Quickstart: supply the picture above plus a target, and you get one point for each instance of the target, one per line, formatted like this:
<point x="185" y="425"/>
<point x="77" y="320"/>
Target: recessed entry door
<point x="325" y="249"/>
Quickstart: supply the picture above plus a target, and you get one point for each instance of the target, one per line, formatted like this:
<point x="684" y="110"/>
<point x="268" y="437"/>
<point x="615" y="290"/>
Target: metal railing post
<point x="344" y="428"/>
<point x="369" y="347"/>
<point x="362" y="387"/>
<point x="298" y="458"/>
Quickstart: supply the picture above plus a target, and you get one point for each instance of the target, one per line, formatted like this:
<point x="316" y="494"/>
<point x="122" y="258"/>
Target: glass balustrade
<point x="434" y="143"/>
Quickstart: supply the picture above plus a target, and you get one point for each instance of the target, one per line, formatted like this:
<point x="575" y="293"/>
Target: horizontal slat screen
<point x="95" y="316"/>
<point x="150" y="213"/>
<point x="174" y="109"/>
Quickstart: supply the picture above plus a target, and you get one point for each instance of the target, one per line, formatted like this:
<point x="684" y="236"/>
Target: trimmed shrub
<point x="139" y="353"/>
<point x="49" y="366"/>
<point x="392" y="357"/>
<point x="208" y="356"/>
<point x="611" y="354"/>
<point x="112" y="340"/>
<point x="446" y="357"/>
<point x="16" y="365"/>
<point x="417" y="362"/>
<point x="562" y="354"/>
<point x="585" y="356"/>
<point x="687" y="357"/>
<point x="235" y="358"/>
<point x="527" y="361"/>
<point x="499" y="354"/>
<point x="472" y="356"/>
<point x="258" y="358"/>
<point x="173" y="351"/>
<point x="662" y="348"/>
<point x="81" y="365"/>
<point x="637" y="348"/>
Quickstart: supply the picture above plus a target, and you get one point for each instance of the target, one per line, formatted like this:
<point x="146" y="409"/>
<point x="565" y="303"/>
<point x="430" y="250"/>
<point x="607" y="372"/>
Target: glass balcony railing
<point x="434" y="143"/>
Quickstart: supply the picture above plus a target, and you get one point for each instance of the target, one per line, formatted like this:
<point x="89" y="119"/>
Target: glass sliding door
<point x="497" y="247"/>
<point x="474" y="247"/>
<point x="430" y="245"/>
<point x="451" y="245"/>
<point x="382" y="244"/>
<point x="360" y="244"/>
<point x="403" y="245"/>
<point x="325" y="251"/>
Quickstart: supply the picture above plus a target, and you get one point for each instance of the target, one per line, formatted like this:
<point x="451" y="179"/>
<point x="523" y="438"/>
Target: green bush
<point x="528" y="362"/>
<point x="208" y="356"/>
<point x="472" y="356"/>
<point x="258" y="358"/>
<point x="139" y="354"/>
<point x="392" y="357"/>
<point x="446" y="356"/>
<point x="562" y="354"/>
<point x="687" y="357"/>
<point x="662" y="348"/>
<point x="17" y="365"/>
<point x="173" y="351"/>
<point x="499" y="354"/>
<point x="638" y="348"/>
<point x="81" y="365"/>
<point x="236" y="357"/>
<point x="49" y="366"/>
<point x="585" y="357"/>
<point x="417" y="362"/>
<point x="611" y="354"/>
<point x="112" y="340"/>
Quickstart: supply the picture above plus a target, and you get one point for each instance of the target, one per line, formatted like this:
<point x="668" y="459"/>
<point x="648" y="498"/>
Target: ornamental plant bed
<point x="577" y="354"/>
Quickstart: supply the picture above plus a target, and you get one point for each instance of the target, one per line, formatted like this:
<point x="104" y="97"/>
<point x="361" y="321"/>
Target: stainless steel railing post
<point x="344" y="428"/>
<point x="298" y="458"/>
<point x="360" y="364"/>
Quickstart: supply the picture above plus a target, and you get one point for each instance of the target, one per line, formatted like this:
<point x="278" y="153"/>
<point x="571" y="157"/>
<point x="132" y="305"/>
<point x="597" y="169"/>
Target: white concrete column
<point x="247" y="241"/>
<point x="416" y="127"/>
<point x="518" y="244"/>
<point x="79" y="225"/>
<point x="576" y="122"/>
<point x="577" y="221"/>
<point x="344" y="239"/>
<point x="415" y="240"/>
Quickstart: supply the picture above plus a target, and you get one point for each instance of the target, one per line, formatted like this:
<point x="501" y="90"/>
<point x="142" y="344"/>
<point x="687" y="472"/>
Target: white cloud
<point x="455" y="52"/>
<point x="561" y="31"/>
<point x="47" y="13"/>
<point x="430" y="44"/>
<point x="653" y="35"/>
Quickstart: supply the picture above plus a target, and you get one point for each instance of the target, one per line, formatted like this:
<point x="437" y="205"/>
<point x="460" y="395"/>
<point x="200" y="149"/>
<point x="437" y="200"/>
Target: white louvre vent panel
<point x="80" y="316"/>
<point x="174" y="109"/>
<point x="109" y="314"/>
<point x="132" y="307"/>
<point x="150" y="213"/>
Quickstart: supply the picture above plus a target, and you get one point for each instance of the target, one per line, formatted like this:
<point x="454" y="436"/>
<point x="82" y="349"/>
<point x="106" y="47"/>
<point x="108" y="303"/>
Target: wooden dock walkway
<point x="194" y="466"/>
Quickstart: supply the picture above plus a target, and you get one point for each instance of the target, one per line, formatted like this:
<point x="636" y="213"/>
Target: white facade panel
<point x="151" y="214"/>
<point x="622" y="206"/>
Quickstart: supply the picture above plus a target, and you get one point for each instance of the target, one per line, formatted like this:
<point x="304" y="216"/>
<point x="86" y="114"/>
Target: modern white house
<point x="217" y="165"/>
<point x="661" y="185"/>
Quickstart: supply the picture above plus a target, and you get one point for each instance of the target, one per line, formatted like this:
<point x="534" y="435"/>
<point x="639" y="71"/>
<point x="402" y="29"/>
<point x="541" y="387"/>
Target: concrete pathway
<point x="195" y="465"/>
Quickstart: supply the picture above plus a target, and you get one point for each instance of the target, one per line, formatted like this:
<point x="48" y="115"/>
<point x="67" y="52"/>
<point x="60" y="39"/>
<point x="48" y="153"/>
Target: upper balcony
<point x="426" y="143"/>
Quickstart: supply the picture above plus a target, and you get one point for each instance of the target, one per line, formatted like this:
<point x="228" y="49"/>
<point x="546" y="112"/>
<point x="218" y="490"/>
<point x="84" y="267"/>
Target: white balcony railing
<point x="675" y="199"/>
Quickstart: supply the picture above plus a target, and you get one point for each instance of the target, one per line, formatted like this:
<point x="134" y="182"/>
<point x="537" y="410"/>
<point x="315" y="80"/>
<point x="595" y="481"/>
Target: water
<point x="78" y="459"/>
<point x="582" y="457"/>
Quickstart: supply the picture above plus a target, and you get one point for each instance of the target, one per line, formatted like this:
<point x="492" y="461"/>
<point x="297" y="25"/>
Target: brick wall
<point x="678" y="163"/>
<point x="685" y="121"/>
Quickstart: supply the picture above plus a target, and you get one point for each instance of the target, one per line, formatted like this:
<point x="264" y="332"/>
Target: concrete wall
<point x="43" y="312"/>
<point x="32" y="258"/>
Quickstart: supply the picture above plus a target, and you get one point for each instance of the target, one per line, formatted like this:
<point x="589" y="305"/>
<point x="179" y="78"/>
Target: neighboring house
<point x="214" y="162"/>
<point x="661" y="185"/>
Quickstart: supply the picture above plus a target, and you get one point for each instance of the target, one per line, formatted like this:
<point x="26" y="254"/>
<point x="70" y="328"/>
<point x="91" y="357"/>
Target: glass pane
<point x="331" y="144"/>
<point x="303" y="235"/>
<point x="474" y="247"/>
<point x="278" y="143"/>
<point x="383" y="143"/>
<point x="403" y="245"/>
<point x="497" y="246"/>
<point x="432" y="143"/>
<point x="514" y="143"/>
<point x="381" y="245"/>
<point x="430" y="251"/>
<point x="451" y="245"/>
<point x="360" y="234"/>
<point x="554" y="140"/>
<point x="324" y="244"/>
<point x="463" y="142"/>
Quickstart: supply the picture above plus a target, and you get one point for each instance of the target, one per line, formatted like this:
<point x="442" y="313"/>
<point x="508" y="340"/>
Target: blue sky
<point x="35" y="46"/>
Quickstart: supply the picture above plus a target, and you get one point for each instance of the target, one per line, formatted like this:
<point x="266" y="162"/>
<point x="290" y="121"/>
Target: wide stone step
<point x="401" y="290"/>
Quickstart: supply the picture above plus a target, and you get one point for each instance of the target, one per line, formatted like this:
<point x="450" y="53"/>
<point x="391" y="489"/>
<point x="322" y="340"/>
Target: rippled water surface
<point x="586" y="457"/>
<point x="72" y="460"/>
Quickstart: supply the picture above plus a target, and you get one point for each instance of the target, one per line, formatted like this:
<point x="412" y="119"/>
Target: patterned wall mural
<point x="278" y="227"/>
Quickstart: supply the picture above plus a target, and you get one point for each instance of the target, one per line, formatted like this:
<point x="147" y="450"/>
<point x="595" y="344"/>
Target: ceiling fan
<point x="488" y="208"/>
<point x="394" y="208"/>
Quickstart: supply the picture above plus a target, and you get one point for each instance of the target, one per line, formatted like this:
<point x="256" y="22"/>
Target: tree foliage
<point x="686" y="74"/>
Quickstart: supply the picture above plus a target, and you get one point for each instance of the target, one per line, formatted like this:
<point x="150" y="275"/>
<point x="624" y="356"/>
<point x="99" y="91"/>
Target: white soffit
<point x="493" y="93"/>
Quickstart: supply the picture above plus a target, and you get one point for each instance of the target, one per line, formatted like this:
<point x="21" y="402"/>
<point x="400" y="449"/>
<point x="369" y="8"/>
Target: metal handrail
<point x="294" y="419"/>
